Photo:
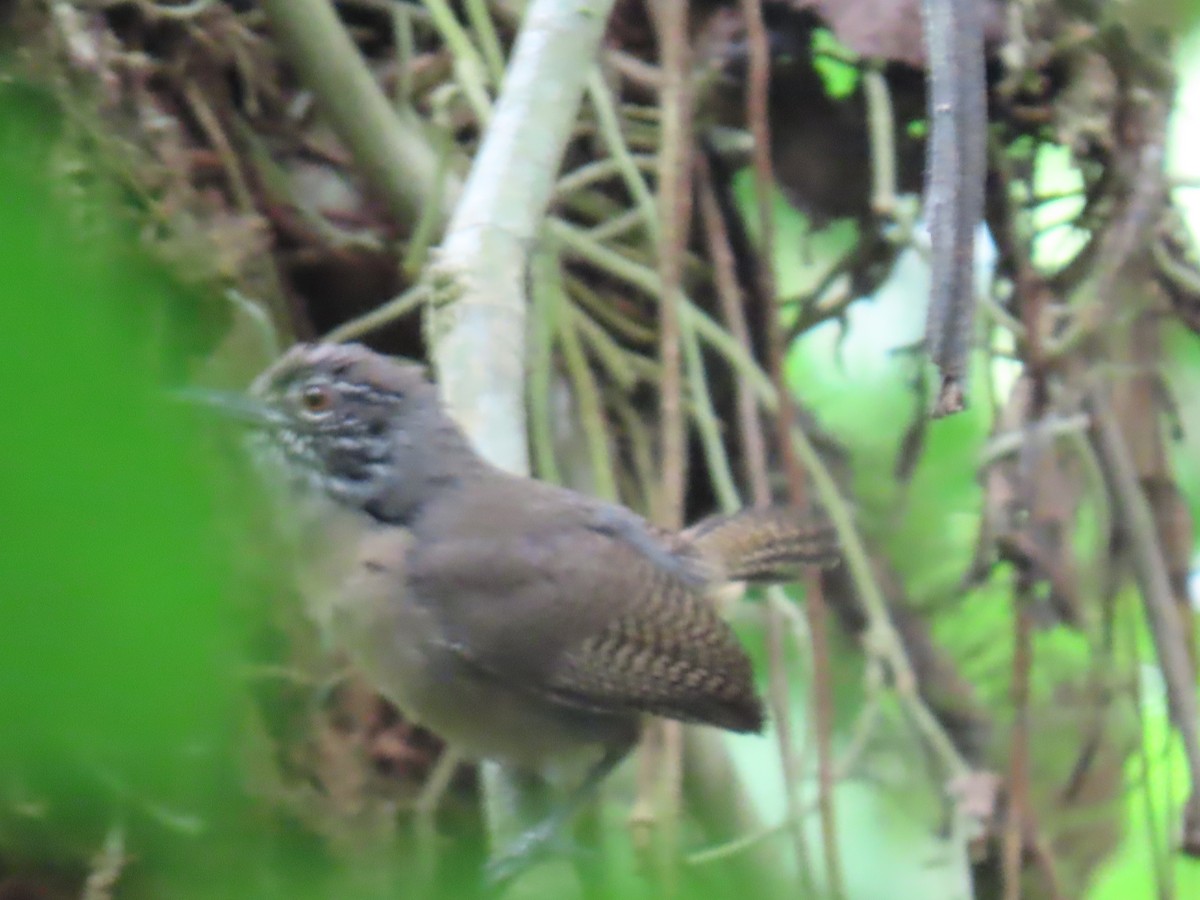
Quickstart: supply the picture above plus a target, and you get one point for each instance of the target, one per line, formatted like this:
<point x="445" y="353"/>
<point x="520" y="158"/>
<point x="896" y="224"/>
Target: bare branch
<point x="955" y="182"/>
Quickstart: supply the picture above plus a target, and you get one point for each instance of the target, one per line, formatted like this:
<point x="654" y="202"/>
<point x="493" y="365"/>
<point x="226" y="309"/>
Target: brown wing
<point x="668" y="653"/>
<point x="579" y="603"/>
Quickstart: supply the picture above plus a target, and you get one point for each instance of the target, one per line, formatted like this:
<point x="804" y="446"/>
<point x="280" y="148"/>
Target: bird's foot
<point x="546" y="840"/>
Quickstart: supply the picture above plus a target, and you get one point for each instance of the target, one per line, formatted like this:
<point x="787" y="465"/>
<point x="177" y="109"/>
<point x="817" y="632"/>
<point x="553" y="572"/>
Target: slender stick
<point x="390" y="145"/>
<point x="881" y="131"/>
<point x="408" y="302"/>
<point x="489" y="41"/>
<point x="591" y="411"/>
<point x="662" y="772"/>
<point x="822" y="684"/>
<point x="957" y="167"/>
<point x="674" y="202"/>
<point x="1018" y="764"/>
<point x="720" y="251"/>
<point x="470" y="71"/>
<point x="1155" y="582"/>
<point x="754" y="452"/>
<point x="549" y="303"/>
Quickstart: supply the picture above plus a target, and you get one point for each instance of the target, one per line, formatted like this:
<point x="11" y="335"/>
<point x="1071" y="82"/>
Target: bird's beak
<point x="237" y="407"/>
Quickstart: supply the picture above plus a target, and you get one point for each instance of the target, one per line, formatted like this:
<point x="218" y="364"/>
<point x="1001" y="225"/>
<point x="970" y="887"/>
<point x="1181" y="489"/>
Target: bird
<point x="521" y="621"/>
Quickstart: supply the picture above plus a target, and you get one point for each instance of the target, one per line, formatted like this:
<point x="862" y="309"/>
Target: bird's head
<point x="344" y="423"/>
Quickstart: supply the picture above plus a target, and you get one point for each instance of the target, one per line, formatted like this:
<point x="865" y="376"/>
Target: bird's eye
<point x="317" y="398"/>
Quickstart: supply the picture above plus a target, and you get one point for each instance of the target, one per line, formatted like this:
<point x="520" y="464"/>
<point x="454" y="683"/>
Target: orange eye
<point x="317" y="398"/>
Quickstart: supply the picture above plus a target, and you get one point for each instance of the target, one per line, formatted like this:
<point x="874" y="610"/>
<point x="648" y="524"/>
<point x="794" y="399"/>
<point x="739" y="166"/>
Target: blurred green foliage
<point x="118" y="642"/>
<point x="115" y="652"/>
<point x="831" y="60"/>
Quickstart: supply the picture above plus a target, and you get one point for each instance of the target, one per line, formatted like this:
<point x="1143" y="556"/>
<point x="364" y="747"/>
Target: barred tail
<point x="764" y="545"/>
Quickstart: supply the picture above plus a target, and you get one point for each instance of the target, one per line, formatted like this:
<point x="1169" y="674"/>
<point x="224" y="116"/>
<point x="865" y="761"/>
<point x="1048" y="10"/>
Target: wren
<point x="520" y="621"/>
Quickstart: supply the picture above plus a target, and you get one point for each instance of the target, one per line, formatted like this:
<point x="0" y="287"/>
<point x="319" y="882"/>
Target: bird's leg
<point x="533" y="843"/>
<point x="425" y="813"/>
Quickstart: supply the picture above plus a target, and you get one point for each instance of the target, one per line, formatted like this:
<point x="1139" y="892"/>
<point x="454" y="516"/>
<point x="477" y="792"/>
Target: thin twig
<point x="619" y="225"/>
<point x="863" y="730"/>
<point x="599" y="170"/>
<point x="674" y="195"/>
<point x="390" y="146"/>
<point x="634" y="70"/>
<point x="661" y="772"/>
<point x="549" y="300"/>
<point x="429" y="223"/>
<point x="624" y="367"/>
<point x="641" y="446"/>
<point x="408" y="302"/>
<point x="591" y="411"/>
<point x="720" y="251"/>
<point x="754" y="453"/>
<point x="609" y="124"/>
<point x="1018" y="763"/>
<point x="603" y="310"/>
<point x="881" y="130"/>
<point x="1009" y="442"/>
<point x="880" y="637"/>
<point x="1160" y="859"/>
<point x="402" y="34"/>
<point x="1155" y="581"/>
<point x="470" y="70"/>
<point x="216" y="135"/>
<point x="957" y="167"/>
<point x="757" y="100"/>
<point x="708" y="425"/>
<point x="481" y="21"/>
<point x="178" y="11"/>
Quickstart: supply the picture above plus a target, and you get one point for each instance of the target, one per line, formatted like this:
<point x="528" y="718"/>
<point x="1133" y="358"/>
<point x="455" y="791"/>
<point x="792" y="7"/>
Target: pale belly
<point x="479" y="717"/>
